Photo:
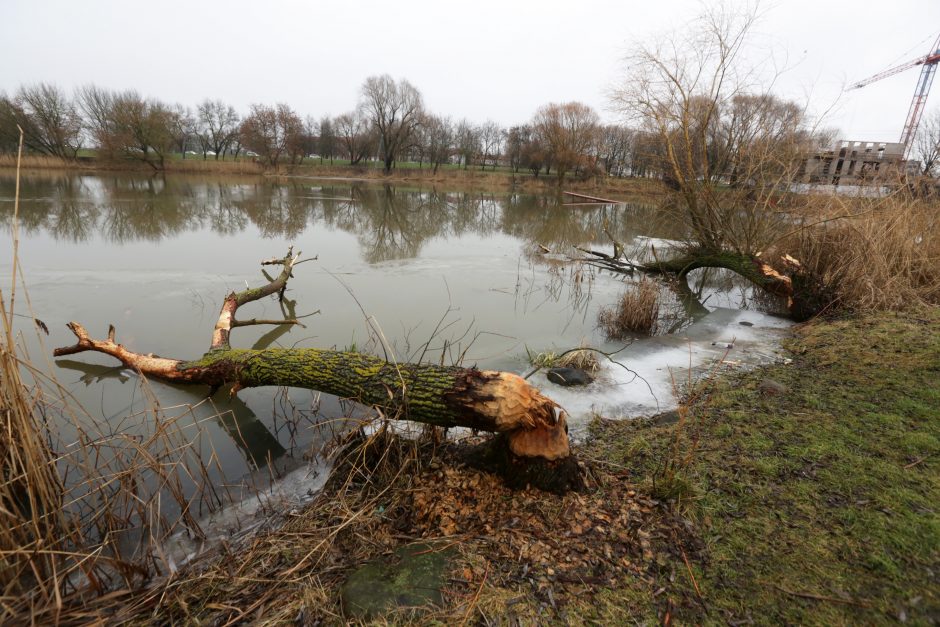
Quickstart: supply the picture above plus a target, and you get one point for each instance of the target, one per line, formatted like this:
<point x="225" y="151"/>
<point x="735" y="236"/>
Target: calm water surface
<point x="441" y="274"/>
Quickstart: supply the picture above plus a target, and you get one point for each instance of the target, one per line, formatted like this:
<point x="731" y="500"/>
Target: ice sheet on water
<point x="640" y="379"/>
<point x="263" y="506"/>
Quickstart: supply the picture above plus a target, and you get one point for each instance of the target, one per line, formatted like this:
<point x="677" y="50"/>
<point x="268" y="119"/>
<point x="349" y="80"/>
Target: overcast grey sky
<point x="480" y="59"/>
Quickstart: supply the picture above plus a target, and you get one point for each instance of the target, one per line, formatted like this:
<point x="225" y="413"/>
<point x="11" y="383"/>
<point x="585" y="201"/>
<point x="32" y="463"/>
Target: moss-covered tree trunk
<point x="754" y="269"/>
<point x="444" y="396"/>
<point x="801" y="293"/>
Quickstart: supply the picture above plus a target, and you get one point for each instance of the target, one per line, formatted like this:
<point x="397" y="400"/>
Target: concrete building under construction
<point x="856" y="163"/>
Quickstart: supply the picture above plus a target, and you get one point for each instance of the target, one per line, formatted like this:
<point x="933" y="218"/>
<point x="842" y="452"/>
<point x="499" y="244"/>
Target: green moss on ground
<point x="816" y="506"/>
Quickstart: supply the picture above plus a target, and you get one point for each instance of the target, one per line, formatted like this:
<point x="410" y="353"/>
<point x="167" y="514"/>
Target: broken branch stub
<point x="446" y="396"/>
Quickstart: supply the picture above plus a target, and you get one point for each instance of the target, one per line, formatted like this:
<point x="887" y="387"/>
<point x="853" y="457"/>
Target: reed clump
<point x="85" y="505"/>
<point x="581" y="358"/>
<point x="635" y="312"/>
<point x="32" y="522"/>
<point x="871" y="254"/>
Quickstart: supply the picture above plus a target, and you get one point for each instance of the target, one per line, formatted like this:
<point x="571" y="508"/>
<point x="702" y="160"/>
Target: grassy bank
<point x="817" y="505"/>
<point x="810" y="505"/>
<point x="453" y="177"/>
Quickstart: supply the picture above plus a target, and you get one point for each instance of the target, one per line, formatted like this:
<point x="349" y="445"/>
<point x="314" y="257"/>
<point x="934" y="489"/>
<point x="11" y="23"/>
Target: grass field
<point x="818" y="505"/>
<point x="450" y="175"/>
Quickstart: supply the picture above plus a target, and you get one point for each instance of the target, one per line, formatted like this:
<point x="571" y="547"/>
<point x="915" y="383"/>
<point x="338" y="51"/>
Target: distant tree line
<point x="391" y="124"/>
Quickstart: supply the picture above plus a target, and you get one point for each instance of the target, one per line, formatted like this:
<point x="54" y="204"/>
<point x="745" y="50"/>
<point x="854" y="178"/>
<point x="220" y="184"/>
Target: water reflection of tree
<point x="221" y="213"/>
<point x="389" y="222"/>
<point x="277" y="210"/>
<point x="543" y="219"/>
<point x="249" y="435"/>
<point x="48" y="204"/>
<point x="71" y="216"/>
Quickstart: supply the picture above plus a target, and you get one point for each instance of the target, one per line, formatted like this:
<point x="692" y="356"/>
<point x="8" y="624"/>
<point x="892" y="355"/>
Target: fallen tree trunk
<point x="534" y="425"/>
<point x="595" y="199"/>
<point x="751" y="267"/>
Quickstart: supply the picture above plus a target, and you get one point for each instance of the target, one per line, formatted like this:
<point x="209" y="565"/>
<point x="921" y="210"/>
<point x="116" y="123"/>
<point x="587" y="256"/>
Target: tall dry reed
<point x="635" y="312"/>
<point x="85" y="506"/>
<point x="871" y="253"/>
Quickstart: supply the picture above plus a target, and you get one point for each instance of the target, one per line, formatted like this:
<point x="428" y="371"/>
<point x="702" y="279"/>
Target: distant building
<point x="857" y="163"/>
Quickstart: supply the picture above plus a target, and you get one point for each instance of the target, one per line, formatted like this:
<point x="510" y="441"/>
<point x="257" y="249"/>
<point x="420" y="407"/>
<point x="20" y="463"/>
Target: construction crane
<point x="929" y="62"/>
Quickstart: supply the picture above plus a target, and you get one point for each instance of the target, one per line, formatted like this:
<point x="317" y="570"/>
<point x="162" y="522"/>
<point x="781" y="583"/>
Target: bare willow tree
<point x="50" y="120"/>
<point x="395" y="109"/>
<point x="355" y="136"/>
<point x="326" y="138"/>
<point x="185" y="129"/>
<point x="491" y="141"/>
<point x="126" y="124"/>
<point x="218" y="126"/>
<point x="727" y="147"/>
<point x="569" y="133"/>
<point x="466" y="141"/>
<point x="615" y="145"/>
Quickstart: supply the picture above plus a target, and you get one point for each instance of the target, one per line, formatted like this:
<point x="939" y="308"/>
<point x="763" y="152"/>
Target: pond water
<point x="443" y="275"/>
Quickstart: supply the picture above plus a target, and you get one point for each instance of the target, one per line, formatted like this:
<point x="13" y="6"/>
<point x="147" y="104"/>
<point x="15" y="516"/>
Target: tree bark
<point x="752" y="268"/>
<point x="446" y="396"/>
<point x="800" y="299"/>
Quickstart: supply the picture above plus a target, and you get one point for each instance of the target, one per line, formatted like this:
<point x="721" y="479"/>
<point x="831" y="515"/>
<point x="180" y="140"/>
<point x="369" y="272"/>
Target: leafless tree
<point x="515" y="140"/>
<point x="218" y="126"/>
<point x="185" y="129"/>
<point x="50" y="120"/>
<point x="440" y="140"/>
<point x="295" y="138"/>
<point x="129" y="125"/>
<point x="646" y="158"/>
<point x="491" y="139"/>
<point x="467" y="141"/>
<point x="927" y="143"/>
<point x="273" y="132"/>
<point x="395" y="109"/>
<point x="96" y="104"/>
<point x="327" y="140"/>
<point x="708" y="124"/>
<point x="9" y="135"/>
<point x="145" y="128"/>
<point x="535" y="153"/>
<point x="355" y="135"/>
<point x="615" y="147"/>
<point x="569" y="134"/>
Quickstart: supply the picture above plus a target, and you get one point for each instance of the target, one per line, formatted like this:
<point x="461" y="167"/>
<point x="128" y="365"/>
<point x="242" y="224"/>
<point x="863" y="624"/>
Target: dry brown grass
<point x="636" y="312"/>
<point x="583" y="358"/>
<point x="870" y="254"/>
<point x="85" y="505"/>
<point x="31" y="495"/>
<point x="198" y="166"/>
<point x="471" y="178"/>
<point x="387" y="492"/>
<point x="37" y="162"/>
